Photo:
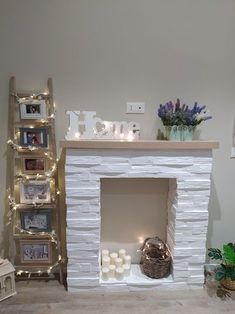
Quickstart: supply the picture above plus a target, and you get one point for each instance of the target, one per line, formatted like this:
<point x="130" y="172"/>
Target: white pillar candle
<point x="122" y="253"/>
<point x="113" y="256"/>
<point x="105" y="253"/>
<point x="112" y="269"/>
<point x="119" y="273"/>
<point x="105" y="273"/>
<point x="118" y="262"/>
<point x="127" y="269"/>
<point x="105" y="261"/>
<point x="127" y="259"/>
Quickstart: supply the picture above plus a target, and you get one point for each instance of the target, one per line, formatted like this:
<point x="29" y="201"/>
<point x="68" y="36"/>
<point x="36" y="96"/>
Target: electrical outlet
<point x="135" y="107"/>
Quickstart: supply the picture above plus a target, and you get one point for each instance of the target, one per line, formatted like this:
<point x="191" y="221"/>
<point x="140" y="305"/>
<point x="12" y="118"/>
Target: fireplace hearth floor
<point x="137" y="278"/>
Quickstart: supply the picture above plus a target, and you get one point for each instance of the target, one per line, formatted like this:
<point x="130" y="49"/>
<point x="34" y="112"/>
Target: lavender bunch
<point x="178" y="114"/>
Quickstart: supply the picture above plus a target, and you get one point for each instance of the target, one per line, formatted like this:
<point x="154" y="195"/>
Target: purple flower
<point x="171" y="114"/>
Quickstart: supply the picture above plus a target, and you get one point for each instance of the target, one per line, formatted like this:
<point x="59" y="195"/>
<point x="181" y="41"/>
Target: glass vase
<point x="179" y="132"/>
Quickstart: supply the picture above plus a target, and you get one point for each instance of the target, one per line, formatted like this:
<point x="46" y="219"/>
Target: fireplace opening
<point x="133" y="209"/>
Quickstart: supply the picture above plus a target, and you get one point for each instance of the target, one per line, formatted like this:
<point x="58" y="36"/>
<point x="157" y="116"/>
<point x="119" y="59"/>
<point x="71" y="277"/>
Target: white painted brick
<point x="197" y="215"/>
<point x="82" y="160"/>
<point x="84" y="267"/>
<point x="82" y="282"/>
<point x="84" y="207"/>
<point x="106" y="168"/>
<point x="80" y="233"/>
<point x="75" y="200"/>
<point x="82" y="274"/>
<point x="83" y="215"/>
<point x="196" y="279"/>
<point x="94" y="261"/>
<point x="187" y="207"/>
<point x="196" y="272"/>
<point x="84" y="245"/>
<point x="80" y="192"/>
<point x="81" y="184"/>
<point x="84" y="223"/>
<point x="76" y="169"/>
<point x="85" y="255"/>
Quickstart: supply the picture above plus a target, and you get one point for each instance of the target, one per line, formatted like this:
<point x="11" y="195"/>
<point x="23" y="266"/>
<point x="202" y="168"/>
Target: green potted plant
<point x="180" y="121"/>
<point x="225" y="272"/>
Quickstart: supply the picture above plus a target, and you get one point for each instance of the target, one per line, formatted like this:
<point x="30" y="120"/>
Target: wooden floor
<point x="40" y="297"/>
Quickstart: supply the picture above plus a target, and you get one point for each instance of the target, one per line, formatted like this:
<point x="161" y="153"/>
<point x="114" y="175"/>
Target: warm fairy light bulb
<point x="77" y="135"/>
<point x="141" y="240"/>
<point x="94" y="131"/>
<point x="130" y="136"/>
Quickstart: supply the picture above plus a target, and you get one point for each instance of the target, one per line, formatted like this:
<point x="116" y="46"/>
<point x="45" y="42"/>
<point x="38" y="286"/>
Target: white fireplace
<point x="187" y="169"/>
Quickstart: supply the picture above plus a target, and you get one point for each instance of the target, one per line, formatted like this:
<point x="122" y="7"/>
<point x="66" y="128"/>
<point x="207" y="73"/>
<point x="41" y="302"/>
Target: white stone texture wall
<point x="189" y="192"/>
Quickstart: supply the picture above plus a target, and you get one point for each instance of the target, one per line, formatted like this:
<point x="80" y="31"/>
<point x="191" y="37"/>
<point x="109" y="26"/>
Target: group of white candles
<point x="115" y="265"/>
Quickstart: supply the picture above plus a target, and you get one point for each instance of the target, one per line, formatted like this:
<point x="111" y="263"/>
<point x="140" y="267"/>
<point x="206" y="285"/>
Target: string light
<point x="41" y="271"/>
<point x="23" y="177"/>
<point x="47" y="174"/>
<point x="52" y="234"/>
<point x="38" y="96"/>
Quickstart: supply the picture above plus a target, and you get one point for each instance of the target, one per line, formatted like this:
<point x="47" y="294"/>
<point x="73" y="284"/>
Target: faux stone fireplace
<point x="187" y="165"/>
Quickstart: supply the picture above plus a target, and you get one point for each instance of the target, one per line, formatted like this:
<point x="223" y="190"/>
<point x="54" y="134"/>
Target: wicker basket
<point x="156" y="258"/>
<point x="228" y="283"/>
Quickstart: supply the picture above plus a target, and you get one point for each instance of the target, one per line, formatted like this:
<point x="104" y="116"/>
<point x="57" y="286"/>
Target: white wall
<point x="104" y="53"/>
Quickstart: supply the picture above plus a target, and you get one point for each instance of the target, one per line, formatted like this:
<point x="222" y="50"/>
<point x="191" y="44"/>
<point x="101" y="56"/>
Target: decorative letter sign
<point x="85" y="125"/>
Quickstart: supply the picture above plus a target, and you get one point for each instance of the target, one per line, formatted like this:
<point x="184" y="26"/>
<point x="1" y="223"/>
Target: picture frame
<point x="35" y="191"/>
<point x="35" y="251"/>
<point x="33" y="164"/>
<point x="36" y="221"/>
<point x="33" y="109"/>
<point x="34" y="137"/>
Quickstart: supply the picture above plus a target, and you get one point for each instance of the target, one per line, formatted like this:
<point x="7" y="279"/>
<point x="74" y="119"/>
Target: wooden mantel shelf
<point x="141" y="144"/>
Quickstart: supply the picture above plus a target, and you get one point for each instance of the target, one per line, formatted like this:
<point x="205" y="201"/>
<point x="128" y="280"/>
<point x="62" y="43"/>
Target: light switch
<point x="135" y="107"/>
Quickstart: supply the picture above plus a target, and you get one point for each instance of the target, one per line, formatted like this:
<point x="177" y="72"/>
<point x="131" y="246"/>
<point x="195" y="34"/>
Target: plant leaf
<point x="215" y="253"/>
<point x="220" y="274"/>
<point x="229" y="254"/>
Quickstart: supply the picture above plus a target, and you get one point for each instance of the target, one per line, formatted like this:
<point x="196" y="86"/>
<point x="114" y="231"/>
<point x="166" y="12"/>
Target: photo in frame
<point x="35" y="191"/>
<point x="33" y="165"/>
<point x="36" y="220"/>
<point x="34" y="137"/>
<point x="33" y="109"/>
<point x="35" y="251"/>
